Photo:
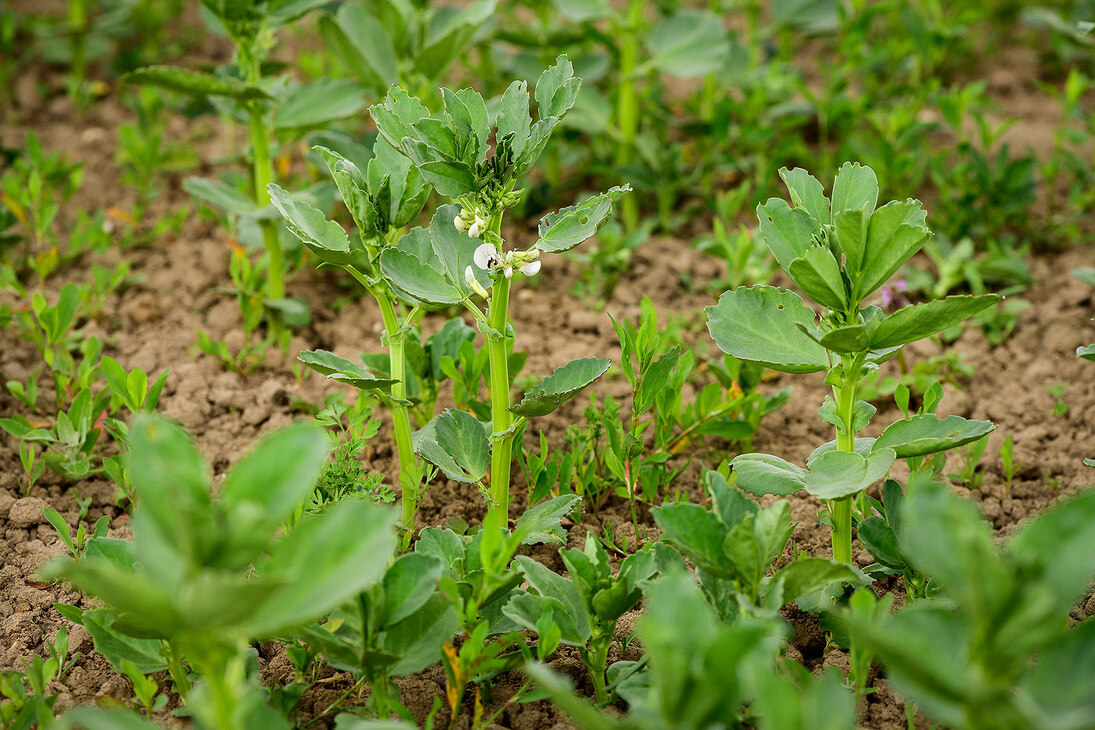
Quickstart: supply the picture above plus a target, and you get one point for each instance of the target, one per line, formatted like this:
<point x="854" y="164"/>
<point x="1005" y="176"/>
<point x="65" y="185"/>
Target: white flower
<point x="478" y="226"/>
<point x="460" y="224"/>
<point x="531" y="268"/>
<point x="473" y="283"/>
<point x="487" y="257"/>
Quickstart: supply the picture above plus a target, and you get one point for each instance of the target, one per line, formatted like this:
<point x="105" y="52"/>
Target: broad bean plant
<point x="460" y="259"/>
<point x="839" y="250"/>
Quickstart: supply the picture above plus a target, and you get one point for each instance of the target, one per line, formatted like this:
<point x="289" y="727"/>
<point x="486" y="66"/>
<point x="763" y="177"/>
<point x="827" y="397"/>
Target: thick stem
<point x="401" y="422"/>
<point x="263" y="170"/>
<point x="627" y="105"/>
<point x="840" y="510"/>
<point x="501" y="418"/>
<point x="596" y="659"/>
<point x="175" y="668"/>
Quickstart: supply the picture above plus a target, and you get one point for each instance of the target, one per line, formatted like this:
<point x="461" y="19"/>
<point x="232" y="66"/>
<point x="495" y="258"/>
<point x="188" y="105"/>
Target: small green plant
<point x="999" y="651"/>
<point x="583" y="610"/>
<point x="183" y="584"/>
<point x="969" y="459"/>
<point x="269" y="106"/>
<point x="1057" y="393"/>
<point x="734" y="545"/>
<point x="839" y="250"/>
<point x="76" y="545"/>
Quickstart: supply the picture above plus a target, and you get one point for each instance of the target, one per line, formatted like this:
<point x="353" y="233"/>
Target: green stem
<point x="262" y="169"/>
<point x="177" y="671"/>
<point x="840" y="510"/>
<point x="596" y="659"/>
<point x="627" y="105"/>
<point x="501" y="418"/>
<point x="78" y="28"/>
<point x="401" y="422"/>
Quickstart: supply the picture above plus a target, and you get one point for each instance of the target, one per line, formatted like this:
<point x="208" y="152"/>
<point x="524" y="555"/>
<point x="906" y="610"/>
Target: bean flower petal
<point x="486" y="256"/>
<point x="532" y="268"/>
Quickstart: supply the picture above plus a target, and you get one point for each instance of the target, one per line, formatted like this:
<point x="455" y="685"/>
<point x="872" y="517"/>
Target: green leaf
<point x="807" y="192"/>
<point x="896" y="232"/>
<point x="1055" y="691"/>
<point x="194" y="83"/>
<point x="525" y="609"/>
<point x="837" y="474"/>
<point x="276" y="477"/>
<point x="855" y="188"/>
<point x="697" y="533"/>
<point x="418" y="638"/>
<point x="759" y="324"/>
<point x="881" y="542"/>
<point x="851" y="236"/>
<point x="514" y="120"/>
<point x="807" y="575"/>
<point x="540" y="523"/>
<point x="457" y="445"/>
<point x="918" y="321"/>
<point x="947" y="538"/>
<point x="397" y="115"/>
<point x="338" y="368"/>
<point x="760" y="474"/>
<point x="927" y="433"/>
<point x="818" y="275"/>
<point x="360" y="40"/>
<point x="853" y="338"/>
<point x="411" y="274"/>
<point x="444" y="43"/>
<point x="146" y="654"/>
<point x="571" y="226"/>
<point x="408" y="585"/>
<point x="788" y="232"/>
<point x="1087" y="352"/>
<point x="1055" y="550"/>
<point x="455" y="250"/>
<point x="311" y="579"/>
<point x="220" y="194"/>
<point x="559" y="387"/>
<point x="688" y="44"/>
<point x="324" y="237"/>
<point x="556" y="89"/>
<point x="170" y="477"/>
<point x="547" y="583"/>
<point x="320" y="102"/>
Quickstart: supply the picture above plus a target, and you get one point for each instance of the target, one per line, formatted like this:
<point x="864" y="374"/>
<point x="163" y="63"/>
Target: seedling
<point x="1060" y="405"/>
<point x="75" y="546"/>
<point x="183" y="584"/>
<point x="583" y="610"/>
<point x="973" y="665"/>
<point x="268" y="108"/>
<point x="839" y="251"/>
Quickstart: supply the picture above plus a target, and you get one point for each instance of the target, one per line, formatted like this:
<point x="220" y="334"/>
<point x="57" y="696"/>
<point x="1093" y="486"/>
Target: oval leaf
<point x="760" y="474"/>
<point x="842" y="473"/>
<point x="928" y="433"/>
<point x="909" y="324"/>
<point x="456" y="443"/>
<point x="559" y="387"/>
<point x="759" y="324"/>
<point x="571" y="226"/>
<point x="338" y="368"/>
<point x="194" y="83"/>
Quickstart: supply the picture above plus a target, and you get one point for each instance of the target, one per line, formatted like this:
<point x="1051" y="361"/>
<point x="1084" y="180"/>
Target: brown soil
<point x="153" y="323"/>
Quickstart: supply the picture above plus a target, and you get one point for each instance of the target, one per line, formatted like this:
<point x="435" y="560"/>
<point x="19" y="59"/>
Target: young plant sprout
<point x="839" y="251"/>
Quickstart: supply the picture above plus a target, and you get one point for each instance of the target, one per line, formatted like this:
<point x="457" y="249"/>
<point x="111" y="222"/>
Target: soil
<point x="152" y="323"/>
